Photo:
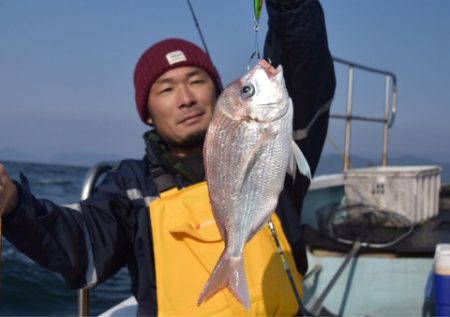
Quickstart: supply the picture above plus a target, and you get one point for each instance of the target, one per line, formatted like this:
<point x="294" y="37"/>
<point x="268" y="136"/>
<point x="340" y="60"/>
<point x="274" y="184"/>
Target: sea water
<point x="26" y="289"/>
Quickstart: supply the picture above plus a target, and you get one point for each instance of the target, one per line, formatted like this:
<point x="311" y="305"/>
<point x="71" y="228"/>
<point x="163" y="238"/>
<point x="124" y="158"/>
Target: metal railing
<point x="88" y="186"/>
<point x="390" y="109"/>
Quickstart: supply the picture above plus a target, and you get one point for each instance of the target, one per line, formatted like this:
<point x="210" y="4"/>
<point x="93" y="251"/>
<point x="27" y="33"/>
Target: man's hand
<point x="8" y="192"/>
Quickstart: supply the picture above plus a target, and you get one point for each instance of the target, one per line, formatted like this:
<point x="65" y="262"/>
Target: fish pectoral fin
<point x="297" y="159"/>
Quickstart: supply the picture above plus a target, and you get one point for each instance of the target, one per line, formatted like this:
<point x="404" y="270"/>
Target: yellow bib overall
<point x="187" y="245"/>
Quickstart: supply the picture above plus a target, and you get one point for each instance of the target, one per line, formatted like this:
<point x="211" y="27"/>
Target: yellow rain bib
<point x="187" y="245"/>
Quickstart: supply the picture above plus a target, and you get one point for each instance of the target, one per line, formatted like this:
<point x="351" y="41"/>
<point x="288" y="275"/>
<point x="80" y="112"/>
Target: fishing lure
<point x="257" y="7"/>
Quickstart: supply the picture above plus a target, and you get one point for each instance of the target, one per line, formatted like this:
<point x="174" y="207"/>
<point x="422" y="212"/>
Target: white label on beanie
<point x="175" y="57"/>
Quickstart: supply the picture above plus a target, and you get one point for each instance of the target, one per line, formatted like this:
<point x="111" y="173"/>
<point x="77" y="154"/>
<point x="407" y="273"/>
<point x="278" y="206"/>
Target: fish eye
<point x="247" y="91"/>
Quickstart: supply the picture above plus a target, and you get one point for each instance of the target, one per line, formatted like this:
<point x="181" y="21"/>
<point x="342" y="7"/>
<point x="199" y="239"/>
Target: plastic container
<point x="441" y="278"/>
<point x="412" y="191"/>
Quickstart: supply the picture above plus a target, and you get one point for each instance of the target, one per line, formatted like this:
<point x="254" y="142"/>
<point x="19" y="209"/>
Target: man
<point x="129" y="220"/>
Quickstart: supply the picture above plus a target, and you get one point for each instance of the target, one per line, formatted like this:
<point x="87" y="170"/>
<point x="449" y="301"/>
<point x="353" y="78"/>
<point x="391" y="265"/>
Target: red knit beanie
<point x="163" y="56"/>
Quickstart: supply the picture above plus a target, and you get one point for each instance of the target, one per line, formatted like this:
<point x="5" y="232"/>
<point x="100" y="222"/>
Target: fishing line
<point x="257" y="8"/>
<point x="198" y="28"/>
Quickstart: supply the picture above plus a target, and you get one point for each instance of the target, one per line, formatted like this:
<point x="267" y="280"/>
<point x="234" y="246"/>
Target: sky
<point x="66" y="68"/>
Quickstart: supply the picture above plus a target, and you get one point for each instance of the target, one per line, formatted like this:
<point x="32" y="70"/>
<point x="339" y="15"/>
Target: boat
<point x="358" y="277"/>
<point x="351" y="276"/>
<point x="352" y="280"/>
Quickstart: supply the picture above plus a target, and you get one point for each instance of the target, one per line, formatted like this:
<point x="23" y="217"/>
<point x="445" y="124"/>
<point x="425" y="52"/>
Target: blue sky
<point x="66" y="69"/>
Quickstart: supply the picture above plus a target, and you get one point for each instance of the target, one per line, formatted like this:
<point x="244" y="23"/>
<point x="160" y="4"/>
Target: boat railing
<point x="390" y="107"/>
<point x="91" y="179"/>
<point x="390" y="110"/>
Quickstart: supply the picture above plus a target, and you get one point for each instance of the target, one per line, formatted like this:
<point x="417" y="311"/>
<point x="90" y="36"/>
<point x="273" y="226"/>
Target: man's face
<point x="180" y="107"/>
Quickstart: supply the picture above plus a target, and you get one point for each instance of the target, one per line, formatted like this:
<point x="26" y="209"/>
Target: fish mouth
<point x="269" y="69"/>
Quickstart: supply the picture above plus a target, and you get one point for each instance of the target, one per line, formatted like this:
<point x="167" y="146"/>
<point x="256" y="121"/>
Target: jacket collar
<point x="158" y="155"/>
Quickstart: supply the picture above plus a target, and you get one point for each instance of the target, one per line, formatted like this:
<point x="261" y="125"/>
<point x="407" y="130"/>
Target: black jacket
<point x="89" y="242"/>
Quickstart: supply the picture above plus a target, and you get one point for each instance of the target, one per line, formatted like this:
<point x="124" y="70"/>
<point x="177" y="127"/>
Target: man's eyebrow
<point x="194" y="72"/>
<point x="163" y="80"/>
<point x="190" y="74"/>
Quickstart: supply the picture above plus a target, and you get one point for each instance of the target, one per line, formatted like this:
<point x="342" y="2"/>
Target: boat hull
<point x="371" y="285"/>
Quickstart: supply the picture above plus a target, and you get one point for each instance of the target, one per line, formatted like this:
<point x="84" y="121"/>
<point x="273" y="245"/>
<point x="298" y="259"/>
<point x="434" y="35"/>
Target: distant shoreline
<point x="328" y="164"/>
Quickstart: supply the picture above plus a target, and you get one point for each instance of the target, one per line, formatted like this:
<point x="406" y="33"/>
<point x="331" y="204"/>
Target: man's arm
<point x="71" y="240"/>
<point x="297" y="40"/>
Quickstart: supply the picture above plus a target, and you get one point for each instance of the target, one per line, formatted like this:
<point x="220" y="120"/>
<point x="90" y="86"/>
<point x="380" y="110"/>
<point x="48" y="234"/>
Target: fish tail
<point x="229" y="272"/>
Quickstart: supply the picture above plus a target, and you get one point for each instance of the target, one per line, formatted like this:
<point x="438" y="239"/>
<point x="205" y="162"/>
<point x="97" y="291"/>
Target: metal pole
<point x="315" y="270"/>
<point x="86" y="190"/>
<point x="348" y="124"/>
<point x="386" y="123"/>
<point x="83" y="303"/>
<point x="315" y="308"/>
<point x="394" y="103"/>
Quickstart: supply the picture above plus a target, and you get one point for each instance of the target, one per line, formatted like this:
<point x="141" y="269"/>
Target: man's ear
<point x="147" y="112"/>
<point x="149" y="116"/>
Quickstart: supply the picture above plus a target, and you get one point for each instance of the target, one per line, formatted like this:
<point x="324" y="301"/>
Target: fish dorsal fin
<point x="297" y="159"/>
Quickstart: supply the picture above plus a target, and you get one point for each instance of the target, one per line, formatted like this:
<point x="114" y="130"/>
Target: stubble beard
<point x="191" y="142"/>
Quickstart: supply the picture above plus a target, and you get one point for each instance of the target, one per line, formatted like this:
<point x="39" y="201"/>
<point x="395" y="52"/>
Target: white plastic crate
<point x="412" y="191"/>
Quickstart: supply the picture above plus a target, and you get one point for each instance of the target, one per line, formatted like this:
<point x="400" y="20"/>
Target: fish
<point x="248" y="150"/>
